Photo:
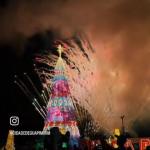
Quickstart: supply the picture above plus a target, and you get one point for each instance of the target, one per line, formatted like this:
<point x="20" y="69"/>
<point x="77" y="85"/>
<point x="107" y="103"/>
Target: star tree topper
<point x="60" y="50"/>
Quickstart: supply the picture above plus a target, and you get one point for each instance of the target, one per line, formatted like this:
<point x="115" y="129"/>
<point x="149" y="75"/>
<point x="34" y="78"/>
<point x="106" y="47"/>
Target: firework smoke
<point x="99" y="85"/>
<point x="119" y="32"/>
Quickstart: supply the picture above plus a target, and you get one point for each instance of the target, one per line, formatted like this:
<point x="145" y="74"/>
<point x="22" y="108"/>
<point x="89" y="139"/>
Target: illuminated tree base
<point x="65" y="126"/>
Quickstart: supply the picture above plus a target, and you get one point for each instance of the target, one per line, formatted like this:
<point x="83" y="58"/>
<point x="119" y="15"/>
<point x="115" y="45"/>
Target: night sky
<point x="17" y="58"/>
<point x="13" y="101"/>
<point x="28" y="28"/>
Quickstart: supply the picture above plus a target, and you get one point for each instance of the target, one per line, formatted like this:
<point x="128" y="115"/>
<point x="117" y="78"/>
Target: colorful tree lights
<point x="60" y="106"/>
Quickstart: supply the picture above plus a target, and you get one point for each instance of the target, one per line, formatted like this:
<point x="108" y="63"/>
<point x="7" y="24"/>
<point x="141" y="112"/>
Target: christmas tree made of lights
<point x="10" y="141"/>
<point x="60" y="107"/>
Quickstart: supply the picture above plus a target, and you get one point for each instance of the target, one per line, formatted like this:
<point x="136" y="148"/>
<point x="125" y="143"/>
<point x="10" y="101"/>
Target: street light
<point x="122" y="118"/>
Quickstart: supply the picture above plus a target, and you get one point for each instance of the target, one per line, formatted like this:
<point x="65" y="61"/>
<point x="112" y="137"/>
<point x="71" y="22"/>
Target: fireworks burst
<point x="81" y="71"/>
<point x="39" y="101"/>
<point x="73" y="48"/>
<point x="95" y="86"/>
<point x="88" y="127"/>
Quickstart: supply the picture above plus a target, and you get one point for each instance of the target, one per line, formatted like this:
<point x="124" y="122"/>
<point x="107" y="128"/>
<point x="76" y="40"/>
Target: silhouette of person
<point x="121" y="140"/>
<point x="148" y="148"/>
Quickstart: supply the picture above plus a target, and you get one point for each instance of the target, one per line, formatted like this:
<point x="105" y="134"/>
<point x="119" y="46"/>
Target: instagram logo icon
<point x="14" y="120"/>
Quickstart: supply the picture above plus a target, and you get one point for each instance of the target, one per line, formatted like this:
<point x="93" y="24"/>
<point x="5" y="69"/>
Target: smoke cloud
<point x="119" y="31"/>
<point x="99" y="18"/>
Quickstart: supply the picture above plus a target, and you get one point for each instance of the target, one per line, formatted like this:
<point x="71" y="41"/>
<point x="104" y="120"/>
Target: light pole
<point x="122" y="117"/>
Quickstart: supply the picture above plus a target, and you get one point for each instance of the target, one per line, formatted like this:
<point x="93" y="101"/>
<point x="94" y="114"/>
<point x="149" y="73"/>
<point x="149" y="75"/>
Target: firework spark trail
<point x="29" y="95"/>
<point x="22" y="89"/>
<point x="135" y="117"/>
<point x="38" y="110"/>
<point x="87" y="125"/>
<point x="32" y="85"/>
<point x="94" y="86"/>
<point x="44" y="98"/>
<point x="22" y="83"/>
<point x="37" y="72"/>
<point x="82" y="80"/>
<point x="80" y="70"/>
<point x="45" y="108"/>
<point x="38" y="105"/>
<point x="47" y="93"/>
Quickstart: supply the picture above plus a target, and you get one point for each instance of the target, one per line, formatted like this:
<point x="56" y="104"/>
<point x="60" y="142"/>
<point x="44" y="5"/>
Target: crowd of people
<point x="56" y="140"/>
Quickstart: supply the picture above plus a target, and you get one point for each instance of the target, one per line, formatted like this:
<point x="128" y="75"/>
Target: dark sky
<point x="15" y="62"/>
<point x="17" y="57"/>
<point x="13" y="100"/>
